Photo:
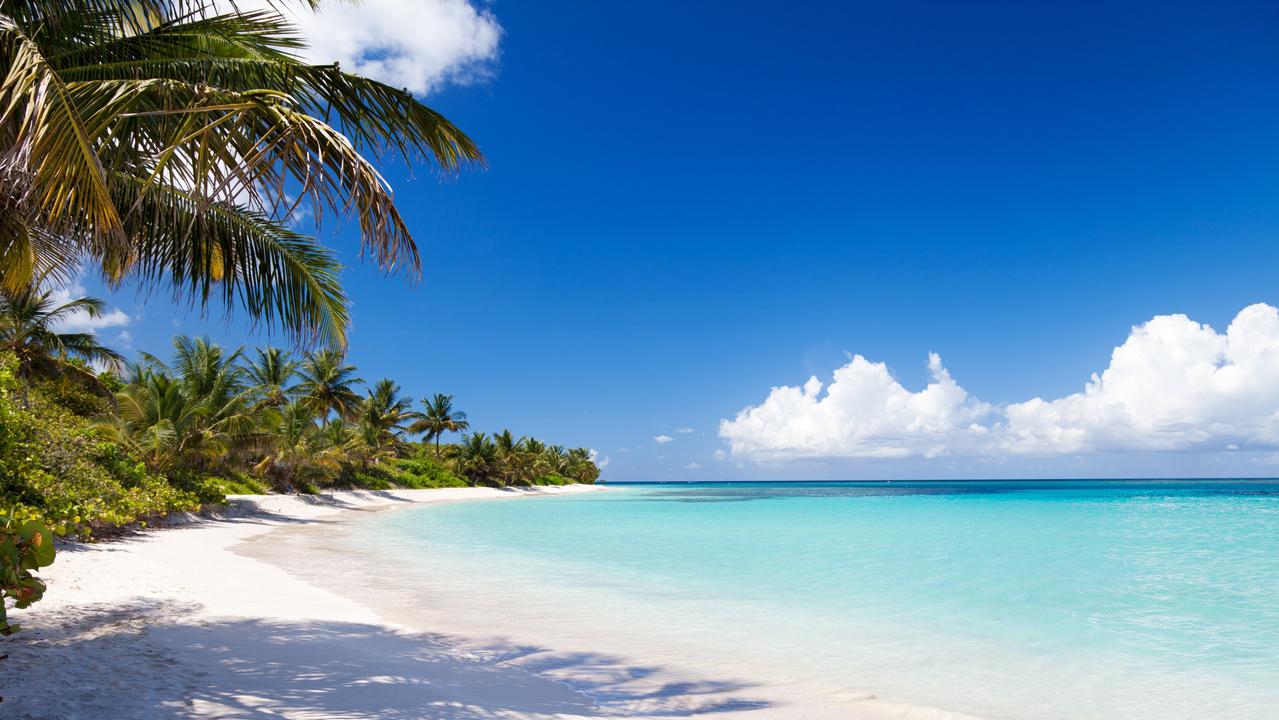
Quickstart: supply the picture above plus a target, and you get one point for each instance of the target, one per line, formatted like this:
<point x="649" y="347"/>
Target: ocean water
<point x="997" y="599"/>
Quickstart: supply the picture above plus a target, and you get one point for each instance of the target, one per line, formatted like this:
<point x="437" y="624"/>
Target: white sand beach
<point x="174" y="622"/>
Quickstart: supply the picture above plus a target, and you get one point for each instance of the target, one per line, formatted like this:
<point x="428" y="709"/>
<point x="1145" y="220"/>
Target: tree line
<point x="167" y="143"/>
<point x="298" y="421"/>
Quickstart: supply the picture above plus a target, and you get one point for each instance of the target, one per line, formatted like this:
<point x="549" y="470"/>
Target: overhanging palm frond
<point x="216" y="107"/>
<point x="280" y="277"/>
<point x="62" y="179"/>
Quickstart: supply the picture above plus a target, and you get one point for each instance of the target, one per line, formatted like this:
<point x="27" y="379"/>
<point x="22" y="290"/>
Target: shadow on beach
<point x="144" y="661"/>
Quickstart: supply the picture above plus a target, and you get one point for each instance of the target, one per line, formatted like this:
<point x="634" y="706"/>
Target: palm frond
<point x="280" y="277"/>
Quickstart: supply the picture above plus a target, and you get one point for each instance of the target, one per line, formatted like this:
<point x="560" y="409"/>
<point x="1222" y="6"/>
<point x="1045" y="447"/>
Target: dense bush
<point x="56" y="466"/>
<point x="212" y="488"/>
<point x="415" y="473"/>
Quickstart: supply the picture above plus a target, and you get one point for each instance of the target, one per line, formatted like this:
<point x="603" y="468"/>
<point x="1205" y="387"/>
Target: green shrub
<point x="54" y="465"/>
<point x="553" y="479"/>
<point x="424" y="472"/>
<point x="372" y="478"/>
<point x="25" y="545"/>
<point x="212" y="488"/>
<point x="416" y="474"/>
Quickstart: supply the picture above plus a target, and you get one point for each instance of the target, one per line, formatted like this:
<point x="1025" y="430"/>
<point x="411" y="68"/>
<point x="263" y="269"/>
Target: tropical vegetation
<point x="170" y="144"/>
<point x="153" y="436"/>
<point x="207" y="420"/>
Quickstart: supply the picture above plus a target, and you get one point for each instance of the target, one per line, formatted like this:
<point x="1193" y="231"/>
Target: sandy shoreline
<point x="178" y="623"/>
<point x="171" y="623"/>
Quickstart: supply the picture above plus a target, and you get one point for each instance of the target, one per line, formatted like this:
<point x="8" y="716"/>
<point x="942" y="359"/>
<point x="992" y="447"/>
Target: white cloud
<point x="594" y="457"/>
<point x="693" y="466"/>
<point x="80" y="321"/>
<point x="721" y="455"/>
<point x="662" y="439"/>
<point x="1174" y="384"/>
<point x="685" y="430"/>
<point x="864" y="413"/>
<point x="415" y="44"/>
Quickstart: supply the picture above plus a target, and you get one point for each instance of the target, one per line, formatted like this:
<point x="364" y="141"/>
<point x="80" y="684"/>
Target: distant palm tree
<point x="556" y="460"/>
<point x="272" y="376"/>
<point x="29" y="320"/>
<point x="383" y="417"/>
<point x="534" y="459"/>
<point x="159" y="421"/>
<point x="207" y="370"/>
<point x="299" y="450"/>
<point x="170" y="140"/>
<point x="192" y="412"/>
<point x="512" y="468"/>
<point x="581" y="467"/>
<point x="439" y="418"/>
<point x="329" y="385"/>
<point x="477" y="458"/>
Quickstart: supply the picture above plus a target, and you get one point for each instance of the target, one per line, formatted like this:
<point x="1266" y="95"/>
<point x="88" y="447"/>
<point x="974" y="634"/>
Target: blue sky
<point x="688" y="204"/>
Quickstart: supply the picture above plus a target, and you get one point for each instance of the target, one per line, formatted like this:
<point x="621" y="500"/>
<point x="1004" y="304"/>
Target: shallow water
<point x="999" y="599"/>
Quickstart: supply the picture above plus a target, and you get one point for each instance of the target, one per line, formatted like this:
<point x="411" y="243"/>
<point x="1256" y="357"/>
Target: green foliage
<point x="504" y="460"/>
<point x="30" y="318"/>
<point x="439" y="417"/>
<point x="553" y="479"/>
<point x="426" y="473"/>
<point x="415" y="473"/>
<point x="212" y="422"/>
<point x="26" y="544"/>
<point x="54" y="463"/>
<point x="212" y="489"/>
<point x="169" y="141"/>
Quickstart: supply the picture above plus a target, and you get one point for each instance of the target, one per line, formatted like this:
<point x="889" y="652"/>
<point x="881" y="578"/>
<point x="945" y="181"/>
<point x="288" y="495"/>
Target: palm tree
<point x="477" y="458"/>
<point x="171" y="140"/>
<point x="510" y="457"/>
<point x="581" y="466"/>
<point x="192" y="413"/>
<point x="299" y="450"/>
<point x="272" y="376"/>
<point x="207" y="370"/>
<point x="159" y="421"/>
<point x="534" y="461"/>
<point x="439" y="418"/>
<point x="555" y="459"/>
<point x="328" y="385"/>
<point x="382" y="419"/>
<point x="29" y="318"/>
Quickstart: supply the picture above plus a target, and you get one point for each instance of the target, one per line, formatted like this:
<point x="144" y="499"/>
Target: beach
<point x="180" y="622"/>
<point x="172" y="623"/>
<point x="642" y="602"/>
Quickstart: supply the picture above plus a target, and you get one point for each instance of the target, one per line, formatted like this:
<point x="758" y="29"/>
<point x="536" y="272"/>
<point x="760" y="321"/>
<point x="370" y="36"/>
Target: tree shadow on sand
<point x="137" y="662"/>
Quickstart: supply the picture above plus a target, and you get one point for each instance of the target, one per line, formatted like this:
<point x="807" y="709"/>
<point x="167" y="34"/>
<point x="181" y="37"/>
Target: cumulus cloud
<point x="420" y="45"/>
<point x="662" y="439"/>
<point x="1174" y="384"/>
<point x="80" y="321"/>
<point x="864" y="413"/>
<point x="721" y="455"/>
<point x="693" y="466"/>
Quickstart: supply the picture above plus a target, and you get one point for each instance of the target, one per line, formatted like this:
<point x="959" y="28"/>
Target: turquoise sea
<point x="1088" y="599"/>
